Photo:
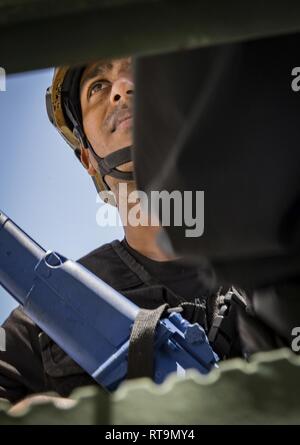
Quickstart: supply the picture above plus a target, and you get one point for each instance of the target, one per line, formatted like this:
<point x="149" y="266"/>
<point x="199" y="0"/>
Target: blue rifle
<point x="87" y="318"/>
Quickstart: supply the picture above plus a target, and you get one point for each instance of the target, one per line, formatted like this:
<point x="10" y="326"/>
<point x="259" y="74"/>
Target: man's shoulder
<point x="22" y="329"/>
<point x="97" y="257"/>
<point x="18" y="318"/>
<point x="107" y="265"/>
<point x="101" y="251"/>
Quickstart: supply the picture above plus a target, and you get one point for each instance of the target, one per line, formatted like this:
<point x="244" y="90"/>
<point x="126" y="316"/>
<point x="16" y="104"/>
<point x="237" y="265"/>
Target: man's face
<point x="106" y="97"/>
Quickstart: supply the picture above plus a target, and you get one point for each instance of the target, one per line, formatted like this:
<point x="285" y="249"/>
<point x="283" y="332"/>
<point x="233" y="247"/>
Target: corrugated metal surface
<point x="265" y="391"/>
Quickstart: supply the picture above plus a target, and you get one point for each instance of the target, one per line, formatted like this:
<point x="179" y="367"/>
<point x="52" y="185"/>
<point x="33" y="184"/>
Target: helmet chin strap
<point x="107" y="165"/>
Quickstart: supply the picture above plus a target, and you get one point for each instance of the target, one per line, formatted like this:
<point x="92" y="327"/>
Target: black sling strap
<point x="142" y="273"/>
<point x="141" y="345"/>
<point x="132" y="263"/>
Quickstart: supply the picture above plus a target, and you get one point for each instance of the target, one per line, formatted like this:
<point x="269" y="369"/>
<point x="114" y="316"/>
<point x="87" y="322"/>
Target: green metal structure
<point x="41" y="33"/>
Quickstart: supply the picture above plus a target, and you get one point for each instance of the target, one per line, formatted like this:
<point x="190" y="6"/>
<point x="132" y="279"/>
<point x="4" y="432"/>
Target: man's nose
<point x="121" y="91"/>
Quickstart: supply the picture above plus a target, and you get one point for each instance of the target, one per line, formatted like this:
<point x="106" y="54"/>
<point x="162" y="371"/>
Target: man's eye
<point x="97" y="86"/>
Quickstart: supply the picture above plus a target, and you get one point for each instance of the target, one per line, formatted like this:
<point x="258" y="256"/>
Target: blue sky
<point x="43" y="187"/>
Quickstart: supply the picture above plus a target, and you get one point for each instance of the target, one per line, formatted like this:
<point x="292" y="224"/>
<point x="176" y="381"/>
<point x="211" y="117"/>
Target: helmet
<point x="64" y="112"/>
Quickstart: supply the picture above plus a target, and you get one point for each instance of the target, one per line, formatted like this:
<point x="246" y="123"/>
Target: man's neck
<point x="143" y="239"/>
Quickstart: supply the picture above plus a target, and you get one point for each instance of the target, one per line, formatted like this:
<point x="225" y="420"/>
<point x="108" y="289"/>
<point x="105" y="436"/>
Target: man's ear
<point x="86" y="162"/>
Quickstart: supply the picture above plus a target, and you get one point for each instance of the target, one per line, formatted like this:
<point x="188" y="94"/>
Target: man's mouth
<point x="122" y="122"/>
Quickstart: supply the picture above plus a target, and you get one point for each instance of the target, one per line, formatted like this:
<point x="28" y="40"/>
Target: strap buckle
<point x="222" y="333"/>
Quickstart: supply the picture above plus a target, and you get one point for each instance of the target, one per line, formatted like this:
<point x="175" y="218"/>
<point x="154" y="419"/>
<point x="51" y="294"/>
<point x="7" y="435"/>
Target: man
<point x="92" y="107"/>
